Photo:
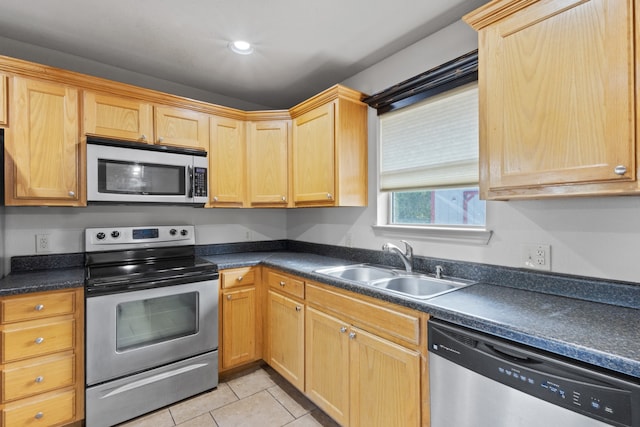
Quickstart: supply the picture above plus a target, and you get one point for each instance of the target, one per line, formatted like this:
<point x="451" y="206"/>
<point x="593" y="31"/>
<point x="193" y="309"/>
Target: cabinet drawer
<point x="33" y="376"/>
<point x="237" y="277"/>
<point x="47" y="410"/>
<point x="38" y="339"/>
<point x="36" y="306"/>
<point x="387" y="321"/>
<point x="286" y="284"/>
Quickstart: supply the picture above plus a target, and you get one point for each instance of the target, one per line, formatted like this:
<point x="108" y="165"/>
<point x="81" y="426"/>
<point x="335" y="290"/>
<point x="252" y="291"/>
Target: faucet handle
<point x="408" y="249"/>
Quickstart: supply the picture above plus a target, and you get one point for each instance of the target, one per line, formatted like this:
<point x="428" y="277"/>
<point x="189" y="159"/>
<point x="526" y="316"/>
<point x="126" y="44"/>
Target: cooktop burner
<point x="131" y="258"/>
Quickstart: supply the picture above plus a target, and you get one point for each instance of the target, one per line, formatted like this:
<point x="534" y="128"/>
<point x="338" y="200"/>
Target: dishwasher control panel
<point x="574" y="386"/>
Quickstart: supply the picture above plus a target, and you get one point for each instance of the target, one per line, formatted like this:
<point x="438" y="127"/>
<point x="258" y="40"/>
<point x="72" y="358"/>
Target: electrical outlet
<point x="348" y="241"/>
<point x="536" y="256"/>
<point x="43" y="243"/>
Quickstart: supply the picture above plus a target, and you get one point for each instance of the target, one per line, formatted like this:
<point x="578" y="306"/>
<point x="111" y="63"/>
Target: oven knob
<point x="100" y="236"/>
<point x="115" y="234"/>
<point x="183" y="232"/>
<point x="173" y="231"/>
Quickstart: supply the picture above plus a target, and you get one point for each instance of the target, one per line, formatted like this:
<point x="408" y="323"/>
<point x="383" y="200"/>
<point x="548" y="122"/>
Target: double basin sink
<point x="413" y="285"/>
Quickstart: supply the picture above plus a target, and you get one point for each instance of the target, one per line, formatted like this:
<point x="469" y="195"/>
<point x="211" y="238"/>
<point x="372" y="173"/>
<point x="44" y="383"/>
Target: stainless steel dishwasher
<point x="477" y="380"/>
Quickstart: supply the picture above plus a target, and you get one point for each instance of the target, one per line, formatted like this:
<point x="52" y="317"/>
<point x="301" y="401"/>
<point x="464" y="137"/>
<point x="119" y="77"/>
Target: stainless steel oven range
<point x="151" y="321"/>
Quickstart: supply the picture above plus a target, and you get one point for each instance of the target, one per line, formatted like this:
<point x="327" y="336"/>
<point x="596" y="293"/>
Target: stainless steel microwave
<point x="129" y="172"/>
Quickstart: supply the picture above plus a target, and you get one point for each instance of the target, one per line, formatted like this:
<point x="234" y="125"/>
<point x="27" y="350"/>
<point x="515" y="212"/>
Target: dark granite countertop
<point x="600" y="334"/>
<point x="42" y="280"/>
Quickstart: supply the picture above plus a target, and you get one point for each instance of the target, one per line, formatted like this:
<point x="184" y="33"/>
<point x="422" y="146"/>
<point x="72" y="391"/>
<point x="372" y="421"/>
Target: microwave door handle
<point x="190" y="173"/>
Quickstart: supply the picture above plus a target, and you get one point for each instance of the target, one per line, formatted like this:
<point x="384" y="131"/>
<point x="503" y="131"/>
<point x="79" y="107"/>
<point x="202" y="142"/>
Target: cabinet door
<point x="42" y="147"/>
<point x="3" y="100"/>
<point x="267" y="145"/>
<point x="384" y="382"/>
<point x="313" y="156"/>
<point x="180" y="127"/>
<point x="327" y="364"/>
<point x="238" y="327"/>
<point x="557" y="94"/>
<point x="285" y="337"/>
<point x="226" y="162"/>
<point x="116" y="117"/>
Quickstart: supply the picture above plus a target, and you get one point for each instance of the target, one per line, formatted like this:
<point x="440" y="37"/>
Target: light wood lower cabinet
<point x="42" y="359"/>
<point x="354" y="374"/>
<point x="361" y="360"/>
<point x="285" y="337"/>
<point x="240" y="323"/>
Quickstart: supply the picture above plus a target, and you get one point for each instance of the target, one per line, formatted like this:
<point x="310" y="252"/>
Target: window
<point x="429" y="161"/>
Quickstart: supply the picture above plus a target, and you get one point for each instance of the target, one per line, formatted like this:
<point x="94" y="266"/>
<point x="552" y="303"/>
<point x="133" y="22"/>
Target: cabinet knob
<point x="329" y="196"/>
<point x="298" y="308"/>
<point x="72" y="193"/>
<point x="215" y="198"/>
<point x="229" y="297"/>
<point x="39" y="379"/>
<point x="352" y="335"/>
<point x="143" y="137"/>
<point x="39" y="340"/>
<point x="282" y="284"/>
<point x="284" y="199"/>
<point x="239" y="279"/>
<point x="160" y="139"/>
<point x="39" y="415"/>
<point x="343" y="329"/>
<point x="620" y="170"/>
<point x="39" y="307"/>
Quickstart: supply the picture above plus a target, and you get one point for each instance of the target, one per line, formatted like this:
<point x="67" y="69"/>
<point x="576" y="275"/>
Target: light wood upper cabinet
<point x="557" y="114"/>
<point x="181" y="127"/>
<point x="3" y="100"/>
<point x="329" y="150"/>
<point x="44" y="160"/>
<point x="268" y="165"/>
<point x="227" y="162"/>
<point x="116" y="117"/>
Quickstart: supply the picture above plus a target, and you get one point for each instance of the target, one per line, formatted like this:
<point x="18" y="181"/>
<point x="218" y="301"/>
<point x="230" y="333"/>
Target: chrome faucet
<point x="406" y="256"/>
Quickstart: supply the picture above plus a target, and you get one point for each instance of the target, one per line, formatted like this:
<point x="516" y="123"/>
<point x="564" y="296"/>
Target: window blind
<point x="431" y="144"/>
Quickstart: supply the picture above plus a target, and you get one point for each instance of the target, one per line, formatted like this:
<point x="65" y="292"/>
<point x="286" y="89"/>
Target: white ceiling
<point x="301" y="47"/>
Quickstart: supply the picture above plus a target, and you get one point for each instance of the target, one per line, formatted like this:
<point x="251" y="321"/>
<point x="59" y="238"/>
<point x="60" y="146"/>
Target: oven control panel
<point x="107" y="238"/>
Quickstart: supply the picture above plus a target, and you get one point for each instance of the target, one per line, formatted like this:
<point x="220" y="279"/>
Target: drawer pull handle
<point x="282" y="284"/>
<point x="39" y="340"/>
<point x="39" y="379"/>
<point x="39" y="415"/>
<point x="240" y="278"/>
<point x="39" y="307"/>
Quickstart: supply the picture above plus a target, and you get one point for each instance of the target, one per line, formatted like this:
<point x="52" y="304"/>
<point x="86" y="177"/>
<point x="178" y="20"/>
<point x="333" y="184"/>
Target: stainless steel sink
<point x="413" y="285"/>
<point x="358" y="272"/>
<point x="421" y="287"/>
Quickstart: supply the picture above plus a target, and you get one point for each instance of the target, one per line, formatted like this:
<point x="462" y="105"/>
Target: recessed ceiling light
<point x="241" y="47"/>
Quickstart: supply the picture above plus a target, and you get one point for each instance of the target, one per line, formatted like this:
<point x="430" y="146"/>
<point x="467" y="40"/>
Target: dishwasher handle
<point x="509" y="354"/>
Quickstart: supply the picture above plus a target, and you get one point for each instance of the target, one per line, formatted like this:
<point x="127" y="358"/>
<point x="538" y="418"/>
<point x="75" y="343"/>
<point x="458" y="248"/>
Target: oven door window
<point x="150" y="321"/>
<point x="126" y="177"/>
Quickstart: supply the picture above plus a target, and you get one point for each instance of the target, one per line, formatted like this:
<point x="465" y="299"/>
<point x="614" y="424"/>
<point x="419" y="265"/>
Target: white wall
<point x="66" y="225"/>
<point x="594" y="237"/>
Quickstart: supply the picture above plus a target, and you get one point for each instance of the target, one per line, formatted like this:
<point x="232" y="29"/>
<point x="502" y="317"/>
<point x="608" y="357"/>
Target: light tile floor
<point x="256" y="397"/>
